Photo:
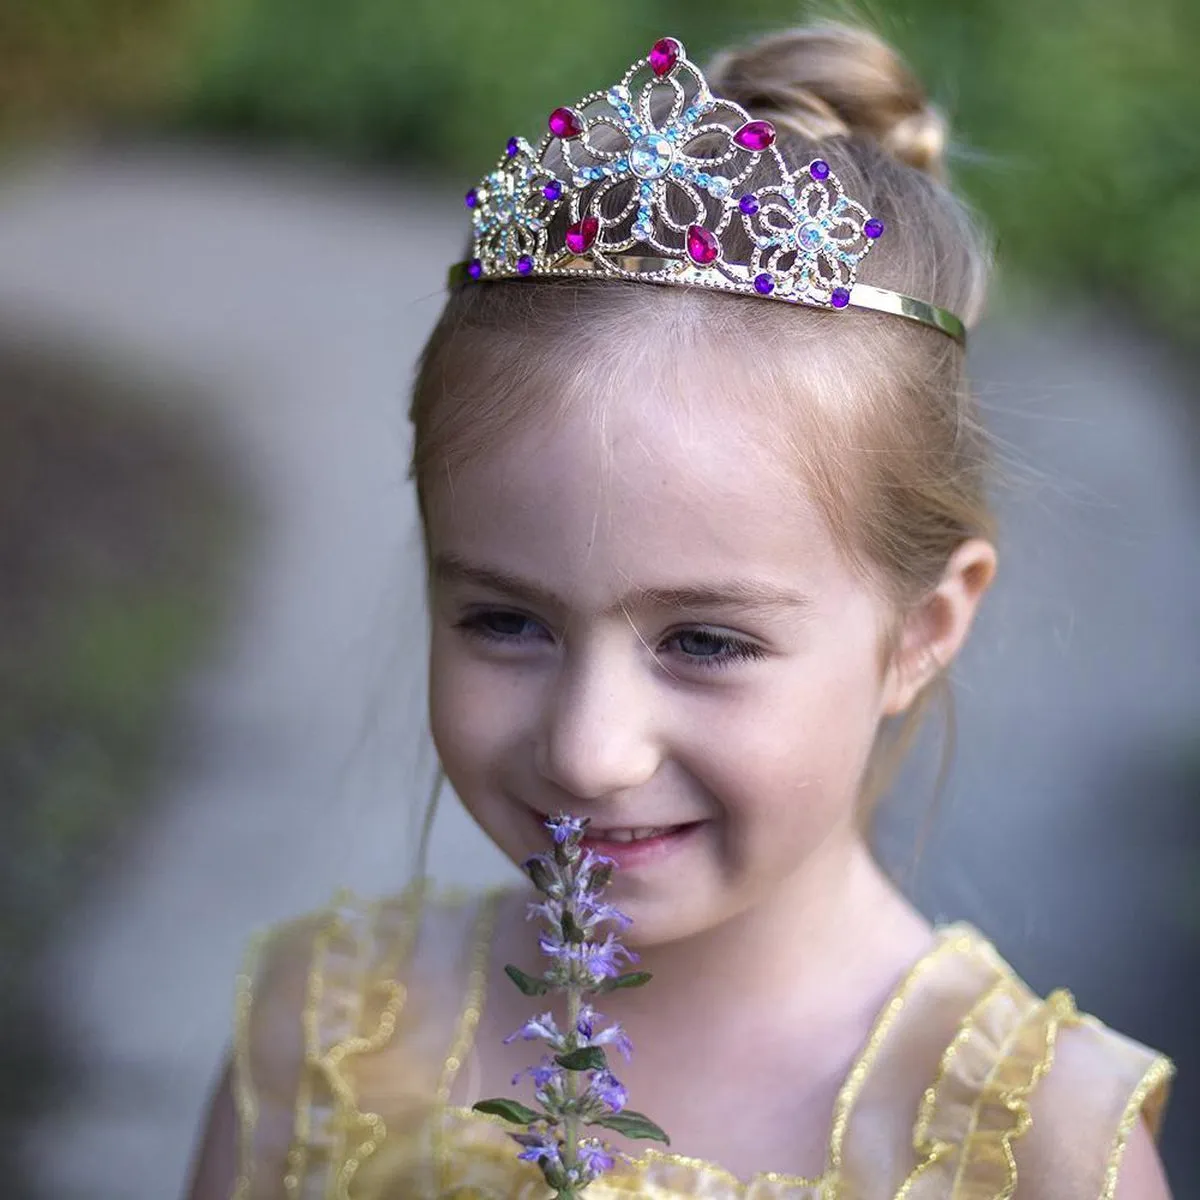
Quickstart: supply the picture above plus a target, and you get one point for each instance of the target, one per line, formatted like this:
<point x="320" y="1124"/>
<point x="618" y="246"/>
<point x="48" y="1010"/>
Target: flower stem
<point x="572" y="1083"/>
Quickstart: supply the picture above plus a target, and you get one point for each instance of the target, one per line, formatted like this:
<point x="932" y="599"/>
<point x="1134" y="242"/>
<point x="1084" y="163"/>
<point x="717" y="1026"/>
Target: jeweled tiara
<point x="648" y="177"/>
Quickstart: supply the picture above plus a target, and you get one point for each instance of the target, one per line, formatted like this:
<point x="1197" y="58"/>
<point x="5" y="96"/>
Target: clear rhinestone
<point x="650" y="156"/>
<point x="811" y="236"/>
<point x="720" y="187"/>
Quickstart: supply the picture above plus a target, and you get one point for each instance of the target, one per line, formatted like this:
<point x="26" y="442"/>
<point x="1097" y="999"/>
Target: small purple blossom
<point x="542" y="1027"/>
<point x="563" y="827"/>
<point x="602" y="960"/>
<point x="594" y="1156"/>
<point x="609" y="1090"/>
<point x="541" y="1147"/>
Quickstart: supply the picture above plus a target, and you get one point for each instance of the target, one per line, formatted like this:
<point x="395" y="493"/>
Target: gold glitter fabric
<point x="354" y="1024"/>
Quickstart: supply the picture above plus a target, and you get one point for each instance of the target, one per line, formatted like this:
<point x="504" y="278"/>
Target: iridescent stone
<point x="474" y="268"/>
<point x="524" y="264"/>
<point x="720" y="187"/>
<point x="664" y="54"/>
<point x="811" y="236"/>
<point x="873" y="228"/>
<point x="552" y="190"/>
<point x="755" y="135"/>
<point x="748" y="204"/>
<point x="839" y="297"/>
<point x="565" y="123"/>
<point x="512" y="148"/>
<point x="702" y="245"/>
<point x="581" y="235"/>
<point x="764" y="283"/>
<point x="650" y="157"/>
<point x="818" y="169"/>
<point x="471" y="198"/>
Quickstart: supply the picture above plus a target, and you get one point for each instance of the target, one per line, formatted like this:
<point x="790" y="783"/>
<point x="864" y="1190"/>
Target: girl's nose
<point x="597" y="734"/>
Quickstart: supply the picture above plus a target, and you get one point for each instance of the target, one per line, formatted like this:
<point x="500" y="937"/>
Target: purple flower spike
<point x="609" y="1090"/>
<point x="818" y="169"/>
<point x="563" y="827"/>
<point x="873" y="228"/>
<point x="595" y="1157"/>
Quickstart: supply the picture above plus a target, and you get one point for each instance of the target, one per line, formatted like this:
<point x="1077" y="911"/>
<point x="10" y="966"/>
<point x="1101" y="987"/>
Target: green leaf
<point x="631" y="979"/>
<point x="586" y="1058"/>
<point x="529" y="984"/>
<point x="633" y="1125"/>
<point x="510" y="1110"/>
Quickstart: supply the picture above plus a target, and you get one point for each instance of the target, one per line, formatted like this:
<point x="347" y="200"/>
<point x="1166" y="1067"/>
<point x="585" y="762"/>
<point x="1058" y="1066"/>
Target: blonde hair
<point x="876" y="413"/>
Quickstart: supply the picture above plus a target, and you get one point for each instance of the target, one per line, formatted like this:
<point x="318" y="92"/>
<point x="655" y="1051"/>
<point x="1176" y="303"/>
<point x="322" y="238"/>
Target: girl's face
<point x="644" y="621"/>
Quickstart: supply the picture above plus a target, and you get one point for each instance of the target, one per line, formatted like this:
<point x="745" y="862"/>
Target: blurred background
<point x="223" y="233"/>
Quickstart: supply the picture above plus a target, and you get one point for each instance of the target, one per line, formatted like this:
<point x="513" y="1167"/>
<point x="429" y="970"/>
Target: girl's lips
<point x="646" y="850"/>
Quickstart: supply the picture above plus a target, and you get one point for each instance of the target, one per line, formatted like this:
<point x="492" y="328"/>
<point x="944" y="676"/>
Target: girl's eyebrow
<point x="748" y="595"/>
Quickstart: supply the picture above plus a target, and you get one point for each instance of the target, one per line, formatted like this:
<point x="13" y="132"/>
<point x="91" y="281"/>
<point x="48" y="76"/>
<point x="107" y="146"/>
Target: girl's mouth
<point x="638" y="846"/>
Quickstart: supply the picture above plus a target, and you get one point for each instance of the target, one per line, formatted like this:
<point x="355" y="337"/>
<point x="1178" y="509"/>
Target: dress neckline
<point x="956" y="938"/>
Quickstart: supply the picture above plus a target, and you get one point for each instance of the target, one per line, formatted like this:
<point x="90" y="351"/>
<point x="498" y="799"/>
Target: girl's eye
<point x="498" y="625"/>
<point x="709" y="649"/>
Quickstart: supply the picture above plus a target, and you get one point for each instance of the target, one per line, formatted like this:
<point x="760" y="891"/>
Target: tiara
<point x="650" y="175"/>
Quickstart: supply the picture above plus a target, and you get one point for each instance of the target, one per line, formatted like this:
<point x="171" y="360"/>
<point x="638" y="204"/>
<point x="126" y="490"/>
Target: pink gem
<point x="755" y="135"/>
<point x="664" y="54"/>
<point x="702" y="245"/>
<point x="581" y="236"/>
<point x="565" y="123"/>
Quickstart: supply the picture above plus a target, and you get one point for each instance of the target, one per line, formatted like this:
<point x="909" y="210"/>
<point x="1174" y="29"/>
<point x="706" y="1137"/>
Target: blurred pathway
<point x="297" y="298"/>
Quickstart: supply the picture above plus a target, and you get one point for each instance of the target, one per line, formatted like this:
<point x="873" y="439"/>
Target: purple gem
<point x="873" y="228"/>
<point x="839" y="297"/>
<point x="512" y="147"/>
<point x="748" y="204"/>
<point x="552" y="190"/>
<point x="764" y="284"/>
<point x="474" y="268"/>
<point x="471" y="198"/>
<point x="818" y="168"/>
<point x="524" y="264"/>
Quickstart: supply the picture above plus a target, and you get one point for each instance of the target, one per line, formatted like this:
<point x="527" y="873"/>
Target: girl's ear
<point x="933" y="633"/>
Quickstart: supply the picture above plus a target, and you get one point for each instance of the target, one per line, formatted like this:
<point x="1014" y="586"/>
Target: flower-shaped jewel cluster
<point x="658" y="166"/>
<point x="573" y="1083"/>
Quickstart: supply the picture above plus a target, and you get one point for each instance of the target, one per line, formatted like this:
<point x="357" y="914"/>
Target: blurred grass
<point x="1077" y="118"/>
<point x="117" y="530"/>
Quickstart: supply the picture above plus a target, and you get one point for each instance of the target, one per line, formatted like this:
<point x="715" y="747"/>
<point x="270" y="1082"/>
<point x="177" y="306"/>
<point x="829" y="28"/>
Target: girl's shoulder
<point x="1004" y="1085"/>
<point x="345" y="1013"/>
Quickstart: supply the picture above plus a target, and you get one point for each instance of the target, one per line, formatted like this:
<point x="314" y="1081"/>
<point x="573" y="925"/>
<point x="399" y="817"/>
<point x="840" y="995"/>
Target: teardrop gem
<point x="664" y="54"/>
<point x="582" y="234"/>
<point x="565" y="123"/>
<point x="755" y="135"/>
<point x="702" y="245"/>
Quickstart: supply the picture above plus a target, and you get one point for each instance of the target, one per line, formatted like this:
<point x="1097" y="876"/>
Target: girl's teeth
<point x="634" y="835"/>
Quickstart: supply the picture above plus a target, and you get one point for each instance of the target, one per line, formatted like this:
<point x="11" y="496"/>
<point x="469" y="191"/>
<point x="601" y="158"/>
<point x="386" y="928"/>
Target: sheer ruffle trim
<point x="354" y="998"/>
<point x="1146" y="1102"/>
<point x="978" y="1104"/>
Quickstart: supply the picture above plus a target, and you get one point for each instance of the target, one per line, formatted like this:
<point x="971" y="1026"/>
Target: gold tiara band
<point x="649" y="269"/>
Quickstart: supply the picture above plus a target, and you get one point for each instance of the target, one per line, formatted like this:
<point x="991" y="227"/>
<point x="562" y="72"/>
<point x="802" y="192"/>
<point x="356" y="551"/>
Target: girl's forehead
<point x="630" y="480"/>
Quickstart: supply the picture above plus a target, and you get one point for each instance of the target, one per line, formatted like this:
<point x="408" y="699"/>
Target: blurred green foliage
<point x="1077" y="117"/>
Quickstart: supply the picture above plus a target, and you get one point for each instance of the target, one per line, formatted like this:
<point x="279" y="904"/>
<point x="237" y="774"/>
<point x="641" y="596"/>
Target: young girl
<point x="705" y="527"/>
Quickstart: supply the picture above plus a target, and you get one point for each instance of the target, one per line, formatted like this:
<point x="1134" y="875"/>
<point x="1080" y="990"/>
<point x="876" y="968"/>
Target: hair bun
<point x="835" y="80"/>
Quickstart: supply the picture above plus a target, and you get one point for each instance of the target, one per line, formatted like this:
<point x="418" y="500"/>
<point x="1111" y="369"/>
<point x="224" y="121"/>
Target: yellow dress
<point x="354" y="1023"/>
